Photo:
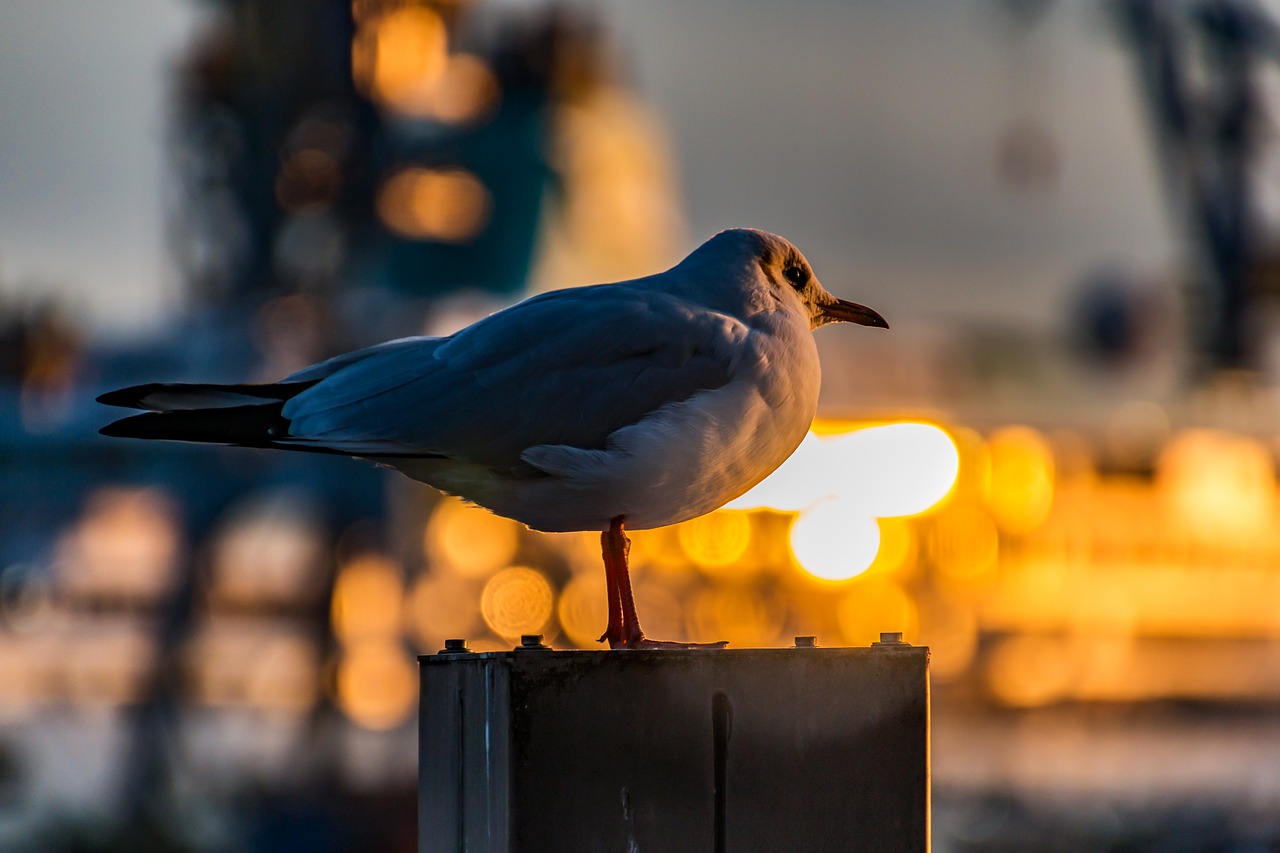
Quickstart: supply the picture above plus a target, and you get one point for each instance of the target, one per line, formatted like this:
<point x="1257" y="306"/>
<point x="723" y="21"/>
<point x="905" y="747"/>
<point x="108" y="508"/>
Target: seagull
<point x="634" y="405"/>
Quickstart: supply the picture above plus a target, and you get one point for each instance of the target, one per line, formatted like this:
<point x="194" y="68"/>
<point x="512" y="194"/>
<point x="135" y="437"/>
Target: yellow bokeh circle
<point x="468" y="540"/>
<point x="517" y="601"/>
<point x="377" y="684"/>
<point x="717" y="541"/>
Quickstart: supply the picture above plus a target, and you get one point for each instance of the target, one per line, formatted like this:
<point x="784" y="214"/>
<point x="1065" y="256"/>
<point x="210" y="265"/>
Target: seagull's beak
<point x="841" y="310"/>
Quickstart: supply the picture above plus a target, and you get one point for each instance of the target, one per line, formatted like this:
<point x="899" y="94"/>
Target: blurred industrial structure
<point x="214" y="649"/>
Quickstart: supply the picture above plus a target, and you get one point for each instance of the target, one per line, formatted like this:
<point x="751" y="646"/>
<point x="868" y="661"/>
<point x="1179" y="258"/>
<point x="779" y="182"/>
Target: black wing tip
<point x="126" y="398"/>
<point x="247" y="426"/>
<point x="135" y="426"/>
<point x="168" y="426"/>
<point x="134" y="396"/>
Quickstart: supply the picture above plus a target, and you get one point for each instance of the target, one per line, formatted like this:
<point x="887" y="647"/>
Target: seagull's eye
<point x="795" y="274"/>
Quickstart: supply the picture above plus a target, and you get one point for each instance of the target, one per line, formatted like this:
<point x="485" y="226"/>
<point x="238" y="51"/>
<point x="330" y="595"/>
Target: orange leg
<point x="612" y="633"/>
<point x="624" y="631"/>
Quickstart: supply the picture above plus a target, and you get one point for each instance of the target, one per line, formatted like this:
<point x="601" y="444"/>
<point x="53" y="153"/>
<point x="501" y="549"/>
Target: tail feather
<point x="247" y="415"/>
<point x="240" y="415"/>
<point x="189" y="396"/>
<point x="247" y="426"/>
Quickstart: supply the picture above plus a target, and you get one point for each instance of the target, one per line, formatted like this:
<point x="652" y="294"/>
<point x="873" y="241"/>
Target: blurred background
<point x="1058" y="470"/>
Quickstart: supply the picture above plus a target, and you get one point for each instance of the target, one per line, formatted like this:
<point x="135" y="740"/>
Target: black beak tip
<point x="852" y="312"/>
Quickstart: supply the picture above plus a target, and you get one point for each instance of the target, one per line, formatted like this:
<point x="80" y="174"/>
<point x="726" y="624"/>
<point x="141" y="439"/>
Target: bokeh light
<point x="896" y="554"/>
<point x="442" y="605"/>
<point x="241" y="662"/>
<point x="468" y="540"/>
<point x="397" y="57"/>
<point x="896" y="469"/>
<point x="377" y="684"/>
<point x="832" y="541"/>
<point x="284" y="676"/>
<point x="125" y="546"/>
<point x="107" y="662"/>
<point x="1219" y="484"/>
<point x="367" y="597"/>
<point x="450" y="205"/>
<point x="1020" y="484"/>
<point x="1030" y="670"/>
<point x="466" y="92"/>
<point x="872" y="606"/>
<point x="583" y="609"/>
<point x="664" y="609"/>
<point x="745" y="616"/>
<point x="517" y="601"/>
<point x="716" y="542"/>
<point x="893" y="469"/>
<point x="582" y="550"/>
<point x="267" y="553"/>
<point x="659" y="549"/>
<point x="963" y="544"/>
<point x="26" y="668"/>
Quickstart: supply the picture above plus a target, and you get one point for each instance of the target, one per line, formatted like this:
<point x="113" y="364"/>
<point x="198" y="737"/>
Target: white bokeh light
<point x="832" y="541"/>
<point x="885" y="471"/>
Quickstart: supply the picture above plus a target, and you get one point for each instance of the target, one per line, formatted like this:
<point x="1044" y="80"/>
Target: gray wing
<point x="569" y="367"/>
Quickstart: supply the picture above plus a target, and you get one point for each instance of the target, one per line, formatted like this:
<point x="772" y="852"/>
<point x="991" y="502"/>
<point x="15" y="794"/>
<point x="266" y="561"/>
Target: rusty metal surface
<point x="738" y="750"/>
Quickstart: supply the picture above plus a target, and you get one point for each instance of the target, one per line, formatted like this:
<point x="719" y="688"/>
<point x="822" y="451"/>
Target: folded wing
<point x="567" y="368"/>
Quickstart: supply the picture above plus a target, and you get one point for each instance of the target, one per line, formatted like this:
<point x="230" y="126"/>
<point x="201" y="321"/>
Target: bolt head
<point x="890" y="638"/>
<point x="455" y="646"/>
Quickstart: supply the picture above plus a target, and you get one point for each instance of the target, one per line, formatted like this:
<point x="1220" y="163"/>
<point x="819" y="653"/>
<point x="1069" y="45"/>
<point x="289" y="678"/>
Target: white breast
<point x="682" y="461"/>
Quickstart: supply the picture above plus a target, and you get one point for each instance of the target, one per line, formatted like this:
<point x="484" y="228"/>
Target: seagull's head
<point x="781" y="272"/>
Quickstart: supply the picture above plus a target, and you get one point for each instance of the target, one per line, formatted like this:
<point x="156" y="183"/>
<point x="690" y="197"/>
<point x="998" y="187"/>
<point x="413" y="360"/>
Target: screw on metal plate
<point x="455" y="647"/>
<point x="806" y="642"/>
<point x="890" y="638"/>
<point x="532" y="642"/>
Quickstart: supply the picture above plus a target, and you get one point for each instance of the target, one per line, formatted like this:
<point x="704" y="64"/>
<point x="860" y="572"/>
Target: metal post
<point x="807" y="748"/>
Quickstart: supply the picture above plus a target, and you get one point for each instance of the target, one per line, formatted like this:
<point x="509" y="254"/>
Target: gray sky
<point x="867" y="132"/>
<point x="82" y="87"/>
